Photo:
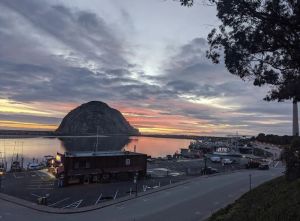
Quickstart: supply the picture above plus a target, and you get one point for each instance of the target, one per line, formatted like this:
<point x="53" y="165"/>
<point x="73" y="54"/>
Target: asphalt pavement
<point x="31" y="185"/>
<point x="194" y="200"/>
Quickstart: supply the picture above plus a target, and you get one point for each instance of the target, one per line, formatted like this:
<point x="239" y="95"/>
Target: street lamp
<point x="205" y="166"/>
<point x="250" y="181"/>
<point x="135" y="182"/>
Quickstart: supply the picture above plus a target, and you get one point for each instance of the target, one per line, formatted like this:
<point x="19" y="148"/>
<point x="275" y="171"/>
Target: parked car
<point x="215" y="159"/>
<point x="227" y="161"/>
<point x="169" y="157"/>
<point x="252" y="164"/>
<point x="263" y="166"/>
<point x="35" y="166"/>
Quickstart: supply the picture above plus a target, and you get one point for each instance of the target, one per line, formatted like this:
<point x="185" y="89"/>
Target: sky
<point x="145" y="58"/>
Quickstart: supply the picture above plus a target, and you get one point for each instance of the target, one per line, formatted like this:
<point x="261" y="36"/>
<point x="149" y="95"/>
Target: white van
<point x="215" y="159"/>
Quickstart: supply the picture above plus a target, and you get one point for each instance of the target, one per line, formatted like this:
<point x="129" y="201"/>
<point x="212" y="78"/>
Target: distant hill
<point x="95" y="116"/>
<point x="275" y="139"/>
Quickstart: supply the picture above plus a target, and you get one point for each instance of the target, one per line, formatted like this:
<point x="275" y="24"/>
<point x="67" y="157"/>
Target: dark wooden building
<point x="86" y="167"/>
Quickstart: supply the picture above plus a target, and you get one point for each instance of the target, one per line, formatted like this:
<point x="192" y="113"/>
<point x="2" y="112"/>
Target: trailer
<point x="100" y="166"/>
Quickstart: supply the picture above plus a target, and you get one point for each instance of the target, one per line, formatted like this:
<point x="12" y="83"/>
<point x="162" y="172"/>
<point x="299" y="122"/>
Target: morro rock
<point x="93" y="117"/>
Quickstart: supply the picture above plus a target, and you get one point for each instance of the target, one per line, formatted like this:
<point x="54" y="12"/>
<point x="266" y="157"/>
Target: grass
<point x="276" y="200"/>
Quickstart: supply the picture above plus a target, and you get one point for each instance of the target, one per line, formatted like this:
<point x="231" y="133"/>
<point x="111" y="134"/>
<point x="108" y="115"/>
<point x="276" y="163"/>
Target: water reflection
<point x="157" y="147"/>
<point x="94" y="143"/>
<point x="36" y="148"/>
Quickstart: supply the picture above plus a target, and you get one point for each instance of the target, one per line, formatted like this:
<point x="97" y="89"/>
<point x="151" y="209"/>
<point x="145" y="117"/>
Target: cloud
<point x="219" y="97"/>
<point x="83" y="57"/>
<point x="83" y="33"/>
<point x="58" y="55"/>
<point x="30" y="118"/>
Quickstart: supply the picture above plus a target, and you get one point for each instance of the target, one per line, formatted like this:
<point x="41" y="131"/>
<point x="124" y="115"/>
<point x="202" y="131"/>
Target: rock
<point x="92" y="116"/>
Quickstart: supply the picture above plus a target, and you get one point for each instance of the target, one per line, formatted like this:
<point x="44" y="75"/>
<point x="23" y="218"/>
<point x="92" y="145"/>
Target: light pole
<point x="250" y="181"/>
<point x="135" y="182"/>
<point x="205" y="166"/>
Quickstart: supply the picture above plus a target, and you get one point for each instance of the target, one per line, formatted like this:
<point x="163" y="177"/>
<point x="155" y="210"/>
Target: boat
<point x="35" y="166"/>
<point x="2" y="168"/>
<point x="3" y="163"/>
<point x="16" y="161"/>
<point x="16" y="166"/>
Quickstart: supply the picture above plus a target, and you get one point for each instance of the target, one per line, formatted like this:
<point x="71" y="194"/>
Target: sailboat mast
<point x="5" y="154"/>
<point x="97" y="138"/>
<point x="22" y="156"/>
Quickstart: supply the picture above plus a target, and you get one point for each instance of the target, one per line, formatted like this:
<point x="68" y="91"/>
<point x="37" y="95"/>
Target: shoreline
<point x="51" y="134"/>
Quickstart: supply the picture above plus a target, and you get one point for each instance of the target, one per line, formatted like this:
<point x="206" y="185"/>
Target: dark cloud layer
<point x="88" y="38"/>
<point x="58" y="54"/>
<point x="30" y="118"/>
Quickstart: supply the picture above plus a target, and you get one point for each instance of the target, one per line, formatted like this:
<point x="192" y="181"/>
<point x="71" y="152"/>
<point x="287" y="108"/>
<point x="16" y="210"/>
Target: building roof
<point x="100" y="153"/>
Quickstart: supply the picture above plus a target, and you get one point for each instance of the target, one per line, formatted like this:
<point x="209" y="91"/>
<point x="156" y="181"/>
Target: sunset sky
<point x="145" y="58"/>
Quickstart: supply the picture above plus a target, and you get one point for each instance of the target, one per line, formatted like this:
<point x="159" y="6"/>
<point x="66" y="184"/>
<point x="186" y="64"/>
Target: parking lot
<point x="32" y="185"/>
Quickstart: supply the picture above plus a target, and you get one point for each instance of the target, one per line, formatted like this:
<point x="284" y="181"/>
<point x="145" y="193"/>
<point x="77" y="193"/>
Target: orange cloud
<point x="25" y="125"/>
<point x="147" y="120"/>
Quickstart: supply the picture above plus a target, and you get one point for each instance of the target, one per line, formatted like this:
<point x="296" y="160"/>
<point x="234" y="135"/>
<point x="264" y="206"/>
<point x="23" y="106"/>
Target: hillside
<point x="275" y="200"/>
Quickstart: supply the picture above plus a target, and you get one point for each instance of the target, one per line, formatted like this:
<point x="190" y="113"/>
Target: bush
<point x="292" y="158"/>
<point x="275" y="200"/>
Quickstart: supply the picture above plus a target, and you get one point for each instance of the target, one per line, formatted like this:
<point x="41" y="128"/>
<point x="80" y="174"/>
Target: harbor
<point x="101" y="176"/>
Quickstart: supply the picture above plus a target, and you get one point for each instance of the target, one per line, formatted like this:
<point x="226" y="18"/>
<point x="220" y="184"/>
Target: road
<point x="195" y="200"/>
<point x="30" y="185"/>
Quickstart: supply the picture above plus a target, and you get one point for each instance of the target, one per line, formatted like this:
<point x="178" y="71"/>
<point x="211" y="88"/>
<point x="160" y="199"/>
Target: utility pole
<point x="205" y="166"/>
<point x="250" y="181"/>
<point x="295" y="119"/>
<point x="135" y="182"/>
<point x="97" y="139"/>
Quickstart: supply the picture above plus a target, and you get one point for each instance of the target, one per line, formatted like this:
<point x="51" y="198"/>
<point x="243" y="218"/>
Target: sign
<point x="222" y="150"/>
<point x="127" y="162"/>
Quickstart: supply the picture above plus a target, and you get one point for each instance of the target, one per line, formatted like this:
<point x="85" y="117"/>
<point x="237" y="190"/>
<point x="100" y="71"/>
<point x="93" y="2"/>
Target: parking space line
<point x="74" y="205"/>
<point x="39" y="175"/>
<point x="18" y="177"/>
<point x="41" y="181"/>
<point x="99" y="198"/>
<point x="122" y="206"/>
<point x="35" y="195"/>
<point x="59" y="201"/>
<point x="41" y="188"/>
<point x="36" y="181"/>
<point x="38" y="184"/>
<point x="115" y="196"/>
